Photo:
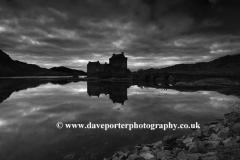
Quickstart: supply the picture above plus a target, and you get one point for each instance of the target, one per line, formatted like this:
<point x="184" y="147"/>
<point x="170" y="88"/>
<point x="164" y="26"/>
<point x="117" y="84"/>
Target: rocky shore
<point x="218" y="140"/>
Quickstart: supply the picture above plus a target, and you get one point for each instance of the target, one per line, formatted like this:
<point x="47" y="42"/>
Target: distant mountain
<point x="68" y="71"/>
<point x="226" y="64"/>
<point x="10" y="67"/>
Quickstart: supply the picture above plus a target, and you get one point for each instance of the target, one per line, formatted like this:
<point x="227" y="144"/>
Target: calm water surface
<point x="30" y="110"/>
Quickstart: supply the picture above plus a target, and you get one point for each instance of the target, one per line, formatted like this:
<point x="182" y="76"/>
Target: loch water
<point x="30" y="109"/>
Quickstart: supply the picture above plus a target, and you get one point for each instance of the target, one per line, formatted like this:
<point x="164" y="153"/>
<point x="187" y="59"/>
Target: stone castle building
<point x="117" y="67"/>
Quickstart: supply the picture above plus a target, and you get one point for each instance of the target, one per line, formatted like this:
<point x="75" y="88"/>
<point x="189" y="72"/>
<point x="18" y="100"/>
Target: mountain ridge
<point x="226" y="65"/>
<point x="11" y="68"/>
<point x="63" y="69"/>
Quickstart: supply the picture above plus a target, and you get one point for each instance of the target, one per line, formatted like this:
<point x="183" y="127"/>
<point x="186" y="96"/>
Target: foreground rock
<point x="202" y="144"/>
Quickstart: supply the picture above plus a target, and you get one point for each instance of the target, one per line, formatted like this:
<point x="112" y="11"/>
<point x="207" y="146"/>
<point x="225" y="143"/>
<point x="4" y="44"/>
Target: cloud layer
<point x="152" y="33"/>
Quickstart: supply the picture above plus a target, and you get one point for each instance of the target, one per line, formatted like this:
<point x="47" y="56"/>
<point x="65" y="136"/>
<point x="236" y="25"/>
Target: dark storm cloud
<point x="152" y="33"/>
<point x="63" y="43"/>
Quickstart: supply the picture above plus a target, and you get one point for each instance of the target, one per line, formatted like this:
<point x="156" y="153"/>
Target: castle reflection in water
<point x="117" y="91"/>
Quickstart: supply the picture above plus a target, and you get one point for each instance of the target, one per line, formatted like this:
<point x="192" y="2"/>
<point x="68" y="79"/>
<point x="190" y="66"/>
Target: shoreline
<point x="213" y="141"/>
<point x="221" y="85"/>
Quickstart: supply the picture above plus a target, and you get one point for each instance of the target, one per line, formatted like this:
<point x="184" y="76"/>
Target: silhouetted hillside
<point x="225" y="65"/>
<point x="9" y="67"/>
<point x="228" y="65"/>
<point x="68" y="71"/>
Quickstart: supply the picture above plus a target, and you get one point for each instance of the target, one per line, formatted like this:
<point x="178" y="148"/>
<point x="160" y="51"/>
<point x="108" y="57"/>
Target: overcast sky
<point x="151" y="33"/>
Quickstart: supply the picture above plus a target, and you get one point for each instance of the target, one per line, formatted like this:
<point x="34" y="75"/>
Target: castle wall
<point x="93" y="68"/>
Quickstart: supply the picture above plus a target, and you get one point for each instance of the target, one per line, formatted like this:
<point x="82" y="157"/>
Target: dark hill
<point x="229" y="64"/>
<point x="66" y="70"/>
<point x="10" y="68"/>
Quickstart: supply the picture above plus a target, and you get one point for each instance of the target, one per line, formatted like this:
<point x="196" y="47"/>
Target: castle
<point x="117" y="67"/>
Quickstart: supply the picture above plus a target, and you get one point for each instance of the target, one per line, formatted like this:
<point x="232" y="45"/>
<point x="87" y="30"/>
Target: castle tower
<point x="118" y="60"/>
